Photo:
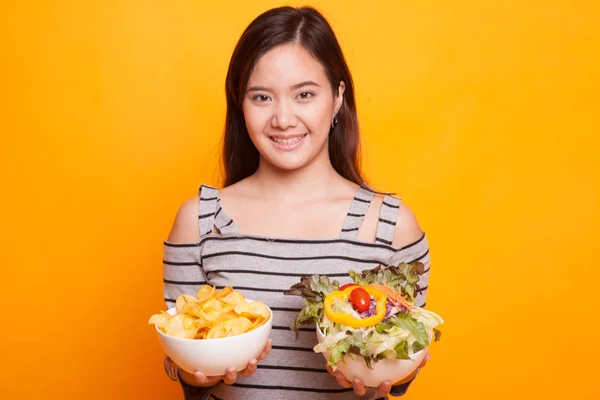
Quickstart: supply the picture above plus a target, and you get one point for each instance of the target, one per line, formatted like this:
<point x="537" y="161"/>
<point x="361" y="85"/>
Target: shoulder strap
<point x="223" y="222"/>
<point x="207" y="208"/>
<point x="386" y="227"/>
<point x="358" y="208"/>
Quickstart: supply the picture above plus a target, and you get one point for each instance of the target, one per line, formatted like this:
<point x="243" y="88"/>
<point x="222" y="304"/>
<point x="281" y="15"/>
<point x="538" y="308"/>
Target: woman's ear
<point x="339" y="98"/>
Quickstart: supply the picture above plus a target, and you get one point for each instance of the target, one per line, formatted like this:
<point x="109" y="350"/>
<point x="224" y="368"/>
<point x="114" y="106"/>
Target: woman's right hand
<point x="230" y="377"/>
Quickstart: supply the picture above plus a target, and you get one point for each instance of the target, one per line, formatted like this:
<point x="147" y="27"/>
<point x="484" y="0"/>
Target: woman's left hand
<point x="382" y="391"/>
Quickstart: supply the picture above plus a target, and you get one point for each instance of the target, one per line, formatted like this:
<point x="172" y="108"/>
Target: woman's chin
<point x="289" y="165"/>
<point x="287" y="161"/>
<point x="290" y="161"/>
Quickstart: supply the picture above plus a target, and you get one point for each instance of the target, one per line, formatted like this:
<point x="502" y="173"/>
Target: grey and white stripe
<point x="386" y="226"/>
<point x="356" y="213"/>
<point x="262" y="268"/>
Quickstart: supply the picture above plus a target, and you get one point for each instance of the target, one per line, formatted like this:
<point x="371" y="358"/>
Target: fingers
<point x="357" y="383"/>
<point x="252" y="365"/>
<point x="265" y="351"/>
<point x="230" y="376"/>
<point x="342" y="380"/>
<point x="384" y="389"/>
<point x="329" y="369"/>
<point x="203" y="380"/>
<point x="359" y="386"/>
<point x="338" y="377"/>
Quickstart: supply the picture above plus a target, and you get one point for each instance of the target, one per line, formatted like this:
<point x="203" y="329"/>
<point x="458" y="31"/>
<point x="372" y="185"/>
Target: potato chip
<point x="225" y="291"/>
<point x="181" y="326"/>
<point x="216" y="332"/>
<point x="257" y="309"/>
<point x="212" y="309"/>
<point x="241" y="308"/>
<point x="212" y="315"/>
<point x="237" y="326"/>
<point x="212" y="305"/>
<point x="195" y="310"/>
<point x="205" y="293"/>
<point x="233" y="298"/>
<point x="256" y="323"/>
<point x="182" y="300"/>
<point x="200" y="323"/>
<point x="201" y="334"/>
<point x="160" y="320"/>
<point x="189" y="309"/>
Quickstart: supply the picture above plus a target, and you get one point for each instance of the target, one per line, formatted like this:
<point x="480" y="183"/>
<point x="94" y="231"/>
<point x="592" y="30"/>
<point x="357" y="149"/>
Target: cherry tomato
<point x="347" y="285"/>
<point x="360" y="299"/>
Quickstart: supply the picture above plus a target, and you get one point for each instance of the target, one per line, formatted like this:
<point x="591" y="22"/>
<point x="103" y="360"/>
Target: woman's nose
<point x="284" y="116"/>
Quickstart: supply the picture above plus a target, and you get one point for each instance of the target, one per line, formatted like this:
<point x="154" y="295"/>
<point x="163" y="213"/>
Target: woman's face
<point x="288" y="107"/>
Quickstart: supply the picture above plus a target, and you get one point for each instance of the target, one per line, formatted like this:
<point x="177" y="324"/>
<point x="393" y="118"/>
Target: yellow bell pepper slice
<point x="349" y="320"/>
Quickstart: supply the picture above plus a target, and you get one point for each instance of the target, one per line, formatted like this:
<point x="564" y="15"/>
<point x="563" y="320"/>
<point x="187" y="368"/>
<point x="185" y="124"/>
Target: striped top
<point x="263" y="268"/>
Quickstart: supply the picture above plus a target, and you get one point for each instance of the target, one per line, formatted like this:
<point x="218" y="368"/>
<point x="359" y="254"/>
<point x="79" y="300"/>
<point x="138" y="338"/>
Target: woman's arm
<point x="408" y="231"/>
<point x="182" y="264"/>
<point x="184" y="230"/>
<point x="182" y="269"/>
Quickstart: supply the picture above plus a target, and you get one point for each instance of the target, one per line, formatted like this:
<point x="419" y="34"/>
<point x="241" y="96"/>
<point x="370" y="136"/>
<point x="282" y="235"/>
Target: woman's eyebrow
<point x="305" y="83"/>
<point x="258" y="89"/>
<point x="296" y="86"/>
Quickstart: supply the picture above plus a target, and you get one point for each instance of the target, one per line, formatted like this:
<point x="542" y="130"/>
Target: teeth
<point x="288" y="142"/>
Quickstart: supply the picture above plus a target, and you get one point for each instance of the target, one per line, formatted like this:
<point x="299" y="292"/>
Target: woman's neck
<point x="313" y="181"/>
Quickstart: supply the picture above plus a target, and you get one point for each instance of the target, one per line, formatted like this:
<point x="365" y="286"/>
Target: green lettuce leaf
<point x="416" y="347"/>
<point x="428" y="318"/>
<point x="310" y="314"/>
<point x="330" y="341"/>
<point x="341" y="306"/>
<point x="403" y="278"/>
<point x="358" y="278"/>
<point x="382" y="327"/>
<point x="338" y="351"/>
<point x="321" y="284"/>
<point x="313" y="289"/>
<point x="416" y="328"/>
<point x="400" y="336"/>
<point x="377" y="343"/>
<point x="402" y="351"/>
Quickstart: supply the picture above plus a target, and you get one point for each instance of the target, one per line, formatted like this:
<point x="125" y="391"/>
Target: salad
<point x="375" y="317"/>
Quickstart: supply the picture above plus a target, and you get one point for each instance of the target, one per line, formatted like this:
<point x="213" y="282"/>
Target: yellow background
<point x="482" y="115"/>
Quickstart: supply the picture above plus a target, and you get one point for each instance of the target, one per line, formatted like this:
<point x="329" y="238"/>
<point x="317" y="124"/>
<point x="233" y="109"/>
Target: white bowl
<point x="391" y="370"/>
<point x="212" y="357"/>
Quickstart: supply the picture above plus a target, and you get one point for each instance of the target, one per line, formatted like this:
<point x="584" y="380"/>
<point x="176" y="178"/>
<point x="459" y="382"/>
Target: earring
<point x="334" y="121"/>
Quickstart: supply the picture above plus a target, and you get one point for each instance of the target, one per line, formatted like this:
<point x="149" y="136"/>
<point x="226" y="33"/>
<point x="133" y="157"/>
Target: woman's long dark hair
<point x="275" y="27"/>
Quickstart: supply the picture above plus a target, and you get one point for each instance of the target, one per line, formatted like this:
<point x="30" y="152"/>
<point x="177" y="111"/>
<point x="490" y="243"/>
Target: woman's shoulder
<point x="185" y="226"/>
<point x="407" y="228"/>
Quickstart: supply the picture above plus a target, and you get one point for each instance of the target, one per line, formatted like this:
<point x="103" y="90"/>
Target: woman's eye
<point x="305" y="95"/>
<point x="261" y="98"/>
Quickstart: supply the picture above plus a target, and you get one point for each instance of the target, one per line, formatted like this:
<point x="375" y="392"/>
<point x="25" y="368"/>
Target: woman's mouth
<point x="288" y="143"/>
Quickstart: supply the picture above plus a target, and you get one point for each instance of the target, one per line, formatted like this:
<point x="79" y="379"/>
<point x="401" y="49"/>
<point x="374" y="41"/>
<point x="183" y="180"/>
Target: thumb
<point x="203" y="379"/>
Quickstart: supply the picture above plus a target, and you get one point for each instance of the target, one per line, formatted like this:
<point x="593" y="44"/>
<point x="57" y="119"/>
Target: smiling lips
<point x="288" y="142"/>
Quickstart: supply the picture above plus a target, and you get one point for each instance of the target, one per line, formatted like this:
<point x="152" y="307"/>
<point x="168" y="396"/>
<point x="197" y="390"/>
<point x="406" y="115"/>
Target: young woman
<point x="294" y="203"/>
